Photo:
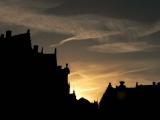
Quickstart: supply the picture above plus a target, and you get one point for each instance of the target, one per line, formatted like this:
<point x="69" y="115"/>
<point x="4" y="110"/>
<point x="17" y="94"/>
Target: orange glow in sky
<point x="91" y="84"/>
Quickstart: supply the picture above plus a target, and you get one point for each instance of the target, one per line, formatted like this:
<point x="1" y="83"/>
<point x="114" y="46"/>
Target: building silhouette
<point x="32" y="84"/>
<point x="140" y="101"/>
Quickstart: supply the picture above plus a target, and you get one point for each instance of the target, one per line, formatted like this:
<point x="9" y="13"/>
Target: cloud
<point x="82" y="27"/>
<point x="124" y="47"/>
<point x="117" y="30"/>
<point x="88" y="89"/>
<point x="78" y="26"/>
<point x="30" y="19"/>
<point x="132" y="38"/>
<point x="120" y="72"/>
<point x="97" y="76"/>
<point x="139" y="10"/>
<point x="144" y="10"/>
<point x="92" y="35"/>
<point x="99" y="73"/>
<point x="32" y="5"/>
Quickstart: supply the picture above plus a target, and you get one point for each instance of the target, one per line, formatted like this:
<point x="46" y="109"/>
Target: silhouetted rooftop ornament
<point x="74" y="92"/>
<point x="67" y="68"/>
<point x="121" y="82"/>
<point x="66" y="65"/>
<point x="110" y="85"/>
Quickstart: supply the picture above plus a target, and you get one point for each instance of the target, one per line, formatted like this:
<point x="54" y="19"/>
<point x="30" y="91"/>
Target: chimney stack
<point x="8" y="34"/>
<point x="35" y="48"/>
<point x="154" y="83"/>
<point x="2" y="36"/>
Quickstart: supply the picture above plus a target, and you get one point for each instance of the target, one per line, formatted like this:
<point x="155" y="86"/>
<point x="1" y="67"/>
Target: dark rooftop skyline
<point x="115" y="40"/>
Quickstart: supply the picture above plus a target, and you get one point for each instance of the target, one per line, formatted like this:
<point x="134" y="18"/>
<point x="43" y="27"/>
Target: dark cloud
<point x="153" y="38"/>
<point x="141" y="10"/>
<point x="32" y="5"/>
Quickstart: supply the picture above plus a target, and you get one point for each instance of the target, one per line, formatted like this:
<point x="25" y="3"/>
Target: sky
<point x="102" y="40"/>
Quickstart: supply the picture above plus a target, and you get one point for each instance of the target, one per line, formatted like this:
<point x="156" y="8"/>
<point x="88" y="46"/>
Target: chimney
<point x="2" y="36"/>
<point x="154" y="83"/>
<point x="42" y="50"/>
<point x="35" y="48"/>
<point x="8" y="34"/>
<point x="59" y="67"/>
<point x="55" y="51"/>
<point x="136" y="84"/>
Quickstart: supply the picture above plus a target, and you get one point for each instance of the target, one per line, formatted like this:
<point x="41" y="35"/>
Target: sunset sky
<point x="102" y="40"/>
